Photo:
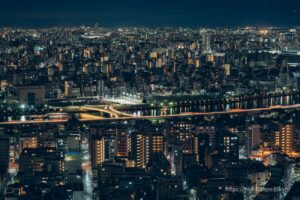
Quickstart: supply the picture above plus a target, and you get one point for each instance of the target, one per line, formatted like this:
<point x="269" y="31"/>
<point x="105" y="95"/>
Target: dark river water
<point x="213" y="106"/>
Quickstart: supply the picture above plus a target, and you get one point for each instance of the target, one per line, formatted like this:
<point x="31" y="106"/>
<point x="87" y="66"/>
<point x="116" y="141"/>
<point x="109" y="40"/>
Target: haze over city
<point x="195" y="13"/>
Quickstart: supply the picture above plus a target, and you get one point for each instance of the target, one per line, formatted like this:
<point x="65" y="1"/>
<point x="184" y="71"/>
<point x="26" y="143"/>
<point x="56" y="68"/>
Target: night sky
<point x="149" y="13"/>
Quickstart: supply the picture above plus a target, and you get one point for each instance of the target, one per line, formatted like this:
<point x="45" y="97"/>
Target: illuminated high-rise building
<point x="253" y="137"/>
<point x="227" y="69"/>
<point x="122" y="143"/>
<point x="102" y="149"/>
<point x="138" y="149"/>
<point x="202" y="149"/>
<point x="100" y="88"/>
<point x="144" y="145"/>
<point x="109" y="147"/>
<point x="206" y="42"/>
<point x="176" y="159"/>
<point x="284" y="138"/>
<point x="227" y="145"/>
<point x="157" y="143"/>
<point x="66" y="88"/>
<point x="182" y="132"/>
<point x="97" y="150"/>
<point x="209" y="130"/>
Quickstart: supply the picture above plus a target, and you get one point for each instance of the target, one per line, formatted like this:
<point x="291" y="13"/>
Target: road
<point x="86" y="169"/>
<point x="122" y="116"/>
<point x="106" y="110"/>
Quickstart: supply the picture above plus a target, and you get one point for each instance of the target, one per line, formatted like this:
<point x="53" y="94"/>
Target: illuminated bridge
<point x="181" y="115"/>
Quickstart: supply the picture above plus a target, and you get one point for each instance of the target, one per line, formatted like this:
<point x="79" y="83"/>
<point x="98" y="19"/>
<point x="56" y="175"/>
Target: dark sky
<point x="188" y="13"/>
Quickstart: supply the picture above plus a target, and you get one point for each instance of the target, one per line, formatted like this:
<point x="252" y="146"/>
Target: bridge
<point x="209" y="100"/>
<point x="121" y="116"/>
<point x="108" y="109"/>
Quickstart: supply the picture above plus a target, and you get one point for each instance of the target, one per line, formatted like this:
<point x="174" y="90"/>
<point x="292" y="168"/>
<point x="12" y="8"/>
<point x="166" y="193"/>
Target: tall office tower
<point x="227" y="69"/>
<point x="109" y="147"/>
<point x="206" y="48"/>
<point x="209" y="130"/>
<point x="66" y="88"/>
<point x="97" y="150"/>
<point x="182" y="132"/>
<point x="202" y="149"/>
<point x="174" y="67"/>
<point x="177" y="159"/>
<point x="122" y="143"/>
<point x="100" y="88"/>
<point x="228" y="147"/>
<point x="284" y="138"/>
<point x="253" y="137"/>
<point x="4" y="155"/>
<point x="144" y="146"/>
